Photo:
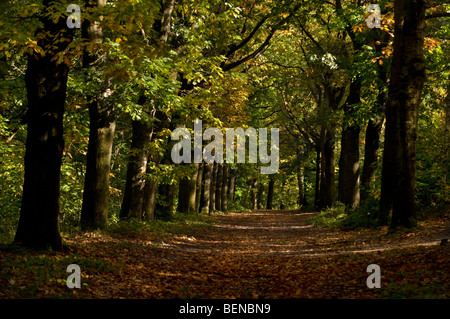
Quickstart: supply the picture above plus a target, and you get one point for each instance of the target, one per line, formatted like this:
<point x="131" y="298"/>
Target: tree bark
<point x="164" y="202"/>
<point x="402" y="109"/>
<point x="372" y="145"/>
<point x="160" y="120"/>
<point x="218" y="189"/>
<point x="259" y="198"/>
<point x="212" y="204"/>
<point x="447" y="137"/>
<point x="133" y="200"/>
<point x="183" y="195"/>
<point x="301" y="187"/>
<point x="206" y="188"/>
<point x="224" y="190"/>
<point x="232" y="184"/>
<point x="94" y="211"/>
<point x="318" y="175"/>
<point x="270" y="194"/>
<point x="198" y="189"/>
<point x="373" y="130"/>
<point x="253" y="194"/>
<point x="327" y="177"/>
<point x="46" y="84"/>
<point x="349" y="177"/>
<point x="187" y="192"/>
<point x="149" y="203"/>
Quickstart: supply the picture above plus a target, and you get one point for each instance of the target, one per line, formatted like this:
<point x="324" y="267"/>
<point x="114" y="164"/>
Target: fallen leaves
<point x="265" y="254"/>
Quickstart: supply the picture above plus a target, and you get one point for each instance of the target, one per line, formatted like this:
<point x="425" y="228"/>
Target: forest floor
<point x="259" y="254"/>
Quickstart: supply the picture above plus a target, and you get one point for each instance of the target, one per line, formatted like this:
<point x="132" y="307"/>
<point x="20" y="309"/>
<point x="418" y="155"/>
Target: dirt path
<point x="289" y="233"/>
<point x="278" y="254"/>
<point x="260" y="254"/>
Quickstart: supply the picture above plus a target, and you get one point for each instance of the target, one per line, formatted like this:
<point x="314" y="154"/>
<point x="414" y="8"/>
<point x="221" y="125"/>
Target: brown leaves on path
<point x="260" y="254"/>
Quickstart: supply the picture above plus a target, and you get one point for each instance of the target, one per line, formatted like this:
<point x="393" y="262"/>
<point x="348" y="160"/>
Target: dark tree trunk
<point x="301" y="187"/>
<point x="218" y="189"/>
<point x="149" y="204"/>
<point x="198" y="189"/>
<point x="372" y="145"/>
<point x="402" y="109"/>
<point x="187" y="192"/>
<point x="373" y="131"/>
<point x="183" y="195"/>
<point x="270" y="194"/>
<point x="318" y="175"/>
<point x="94" y="211"/>
<point x="259" y="199"/>
<point x="133" y="200"/>
<point x="160" y="120"/>
<point x="224" y="201"/>
<point x="193" y="190"/>
<point x="206" y="188"/>
<point x="212" y="192"/>
<point x="46" y="84"/>
<point x="253" y="194"/>
<point x="447" y="137"/>
<point x="327" y="175"/>
<point x="164" y="202"/>
<point x="349" y="177"/>
<point x="232" y="184"/>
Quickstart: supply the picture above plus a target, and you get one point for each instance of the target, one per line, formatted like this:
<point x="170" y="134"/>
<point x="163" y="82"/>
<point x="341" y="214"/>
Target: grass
<point x="341" y="217"/>
<point x="180" y="224"/>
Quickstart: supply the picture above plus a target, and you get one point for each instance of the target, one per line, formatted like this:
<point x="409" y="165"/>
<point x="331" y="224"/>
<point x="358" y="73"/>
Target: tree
<point x="102" y="124"/>
<point x="402" y="109"/>
<point x="46" y="82"/>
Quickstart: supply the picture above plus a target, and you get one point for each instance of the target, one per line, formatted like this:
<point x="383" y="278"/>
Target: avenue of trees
<point x="86" y="114"/>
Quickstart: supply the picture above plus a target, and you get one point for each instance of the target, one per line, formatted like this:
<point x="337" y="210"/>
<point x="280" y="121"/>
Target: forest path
<point x="290" y="233"/>
<point x="276" y="254"/>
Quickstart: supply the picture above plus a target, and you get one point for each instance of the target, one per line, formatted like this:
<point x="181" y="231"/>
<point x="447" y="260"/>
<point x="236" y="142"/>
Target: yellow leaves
<point x="33" y="44"/>
<point x="431" y="44"/>
<point x="119" y="40"/>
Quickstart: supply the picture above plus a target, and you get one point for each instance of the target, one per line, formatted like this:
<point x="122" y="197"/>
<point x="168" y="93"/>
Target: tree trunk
<point x="349" y="178"/>
<point x="218" y="189"/>
<point x="232" y="184"/>
<point x="224" y="201"/>
<point x="253" y="194"/>
<point x="193" y="190"/>
<point x="259" y="199"/>
<point x="212" y="203"/>
<point x="402" y="109"/>
<point x="46" y="84"/>
<point x="164" y="202"/>
<point x="447" y="137"/>
<point x="187" y="192"/>
<point x="148" y="206"/>
<point x="206" y="189"/>
<point x="270" y="194"/>
<point x="318" y="176"/>
<point x="373" y="130"/>
<point x="327" y="179"/>
<point x="94" y="211"/>
<point x="301" y="187"/>
<point x="372" y="145"/>
<point x="160" y="120"/>
<point x="198" y="189"/>
<point x="183" y="195"/>
<point x="133" y="198"/>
